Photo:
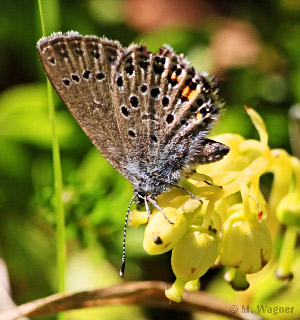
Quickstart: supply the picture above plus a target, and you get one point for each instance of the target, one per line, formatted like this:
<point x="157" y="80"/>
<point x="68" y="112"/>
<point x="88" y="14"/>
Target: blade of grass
<point x="60" y="214"/>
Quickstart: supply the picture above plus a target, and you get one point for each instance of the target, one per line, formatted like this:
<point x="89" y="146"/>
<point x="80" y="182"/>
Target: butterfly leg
<point x="201" y="177"/>
<point x="159" y="208"/>
<point x="187" y="191"/>
<point x="147" y="209"/>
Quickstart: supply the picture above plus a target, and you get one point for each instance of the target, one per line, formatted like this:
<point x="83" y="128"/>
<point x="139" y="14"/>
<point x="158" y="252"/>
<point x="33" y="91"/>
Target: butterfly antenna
<point x="122" y="269"/>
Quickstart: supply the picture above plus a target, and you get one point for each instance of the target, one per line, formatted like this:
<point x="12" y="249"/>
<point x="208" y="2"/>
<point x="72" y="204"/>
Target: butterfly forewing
<point x="80" y="69"/>
<point x="137" y="91"/>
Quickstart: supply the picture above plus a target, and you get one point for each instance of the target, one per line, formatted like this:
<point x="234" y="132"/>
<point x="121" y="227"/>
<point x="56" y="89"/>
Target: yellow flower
<point x="231" y="221"/>
<point x="246" y="243"/>
<point x="192" y="257"/>
<point x="288" y="209"/>
<point x="160" y="235"/>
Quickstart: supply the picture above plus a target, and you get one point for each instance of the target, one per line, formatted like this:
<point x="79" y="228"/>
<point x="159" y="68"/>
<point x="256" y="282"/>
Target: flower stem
<point x="245" y="199"/>
<point x="287" y="250"/>
<point x="208" y="214"/>
<point x="59" y="208"/>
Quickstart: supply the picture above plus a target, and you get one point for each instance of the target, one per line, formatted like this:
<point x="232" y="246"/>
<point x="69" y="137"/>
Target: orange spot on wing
<point x="173" y="76"/>
<point x="193" y="94"/>
<point x="185" y="91"/>
<point x="199" y="116"/>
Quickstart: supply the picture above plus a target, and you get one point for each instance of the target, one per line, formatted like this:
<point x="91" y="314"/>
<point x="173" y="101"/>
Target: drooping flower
<point x="231" y="224"/>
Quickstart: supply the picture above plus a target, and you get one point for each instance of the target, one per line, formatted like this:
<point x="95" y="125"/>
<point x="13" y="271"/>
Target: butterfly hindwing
<point x="165" y="101"/>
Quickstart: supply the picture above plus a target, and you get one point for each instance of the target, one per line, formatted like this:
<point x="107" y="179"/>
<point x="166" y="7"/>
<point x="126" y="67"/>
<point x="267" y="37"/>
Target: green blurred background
<point x="253" y="48"/>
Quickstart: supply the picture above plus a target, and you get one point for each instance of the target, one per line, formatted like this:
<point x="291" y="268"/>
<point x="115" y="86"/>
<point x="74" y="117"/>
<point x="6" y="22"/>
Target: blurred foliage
<point x="265" y="75"/>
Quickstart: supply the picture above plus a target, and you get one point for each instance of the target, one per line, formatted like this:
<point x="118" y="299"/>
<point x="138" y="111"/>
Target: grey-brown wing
<point x="79" y="68"/>
<point x="164" y="105"/>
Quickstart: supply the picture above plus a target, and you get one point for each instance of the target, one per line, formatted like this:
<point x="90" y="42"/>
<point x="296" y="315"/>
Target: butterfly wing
<point x="79" y="68"/>
<point x="147" y="113"/>
<point x="167" y="109"/>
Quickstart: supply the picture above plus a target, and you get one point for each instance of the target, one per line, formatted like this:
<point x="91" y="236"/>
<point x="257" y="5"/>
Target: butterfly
<point x="147" y="113"/>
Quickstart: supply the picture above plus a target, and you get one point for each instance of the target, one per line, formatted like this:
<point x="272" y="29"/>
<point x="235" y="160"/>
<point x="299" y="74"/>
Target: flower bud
<point x="137" y="218"/>
<point x="288" y="210"/>
<point x="246" y="243"/>
<point x="195" y="253"/>
<point x="161" y="235"/>
<point x="191" y="258"/>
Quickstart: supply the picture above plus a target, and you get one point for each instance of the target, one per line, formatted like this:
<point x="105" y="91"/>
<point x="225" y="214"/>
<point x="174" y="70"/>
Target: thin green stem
<point x="287" y="250"/>
<point x="42" y="18"/>
<point x="60" y="214"/>
<point x="208" y="214"/>
<point x="245" y="199"/>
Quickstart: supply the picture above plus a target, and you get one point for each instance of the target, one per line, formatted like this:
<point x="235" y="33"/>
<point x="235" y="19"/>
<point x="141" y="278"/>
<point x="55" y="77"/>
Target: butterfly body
<point x="147" y="113"/>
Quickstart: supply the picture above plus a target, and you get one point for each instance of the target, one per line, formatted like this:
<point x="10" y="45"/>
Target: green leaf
<point x="24" y="118"/>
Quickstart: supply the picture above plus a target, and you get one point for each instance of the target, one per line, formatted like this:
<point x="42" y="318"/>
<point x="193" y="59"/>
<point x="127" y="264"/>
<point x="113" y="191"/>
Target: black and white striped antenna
<point x="122" y="269"/>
